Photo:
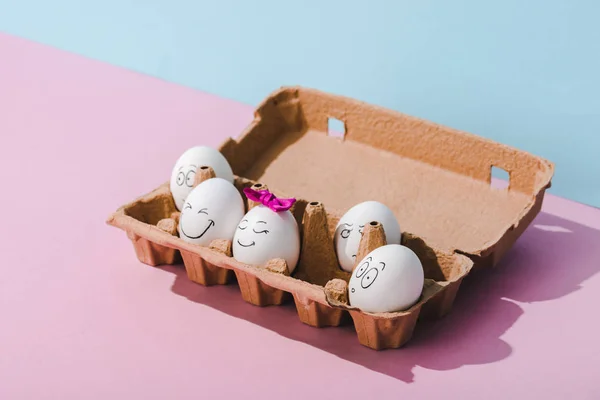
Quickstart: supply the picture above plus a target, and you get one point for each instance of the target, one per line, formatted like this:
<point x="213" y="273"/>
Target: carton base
<point x="204" y="273"/>
<point x="153" y="254"/>
<point x="318" y="315"/>
<point x="440" y="305"/>
<point x="255" y="292"/>
<point x="380" y="333"/>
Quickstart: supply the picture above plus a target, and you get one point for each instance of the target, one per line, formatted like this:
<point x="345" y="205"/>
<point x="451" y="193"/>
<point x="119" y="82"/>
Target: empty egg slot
<point x="150" y="210"/>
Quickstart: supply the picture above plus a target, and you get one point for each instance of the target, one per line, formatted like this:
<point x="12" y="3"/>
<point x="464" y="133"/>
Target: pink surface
<point x="80" y="317"/>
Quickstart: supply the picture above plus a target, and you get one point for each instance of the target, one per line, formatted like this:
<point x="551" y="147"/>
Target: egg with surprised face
<point x="264" y="234"/>
<point x="388" y="279"/>
<point x="211" y="211"/>
<point x="349" y="230"/>
<point x="184" y="171"/>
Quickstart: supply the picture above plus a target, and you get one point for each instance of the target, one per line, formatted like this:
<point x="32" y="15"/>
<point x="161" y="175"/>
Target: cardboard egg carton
<point x="437" y="180"/>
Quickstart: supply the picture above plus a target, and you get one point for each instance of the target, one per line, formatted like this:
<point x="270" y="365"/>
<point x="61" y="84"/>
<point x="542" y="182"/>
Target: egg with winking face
<point x="211" y="211"/>
<point x="184" y="171"/>
<point x="264" y="234"/>
<point x="388" y="279"/>
<point x="349" y="230"/>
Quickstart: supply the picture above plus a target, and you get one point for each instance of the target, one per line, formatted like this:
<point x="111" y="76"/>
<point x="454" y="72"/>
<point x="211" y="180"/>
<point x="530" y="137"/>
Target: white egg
<point x="388" y="279"/>
<point x="211" y="211"/>
<point x="184" y="171"/>
<point x="349" y="230"/>
<point x="264" y="234"/>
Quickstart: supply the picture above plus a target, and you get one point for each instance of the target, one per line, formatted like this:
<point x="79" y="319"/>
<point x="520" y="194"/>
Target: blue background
<point x="524" y="73"/>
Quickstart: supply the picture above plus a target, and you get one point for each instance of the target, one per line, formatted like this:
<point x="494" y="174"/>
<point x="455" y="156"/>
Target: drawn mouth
<point x="210" y="224"/>
<point x="246" y="245"/>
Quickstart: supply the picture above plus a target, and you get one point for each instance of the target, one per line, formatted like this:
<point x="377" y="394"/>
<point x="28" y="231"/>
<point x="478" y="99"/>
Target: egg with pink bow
<point x="268" y="231"/>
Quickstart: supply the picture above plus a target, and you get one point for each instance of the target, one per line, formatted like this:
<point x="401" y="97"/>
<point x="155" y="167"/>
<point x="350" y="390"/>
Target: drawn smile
<point x="246" y="245"/>
<point x="210" y="224"/>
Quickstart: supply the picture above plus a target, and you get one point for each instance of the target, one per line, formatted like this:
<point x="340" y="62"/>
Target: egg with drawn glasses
<point x="184" y="171"/>
<point x="211" y="211"/>
<point x="349" y="230"/>
<point x="388" y="279"/>
<point x="264" y="234"/>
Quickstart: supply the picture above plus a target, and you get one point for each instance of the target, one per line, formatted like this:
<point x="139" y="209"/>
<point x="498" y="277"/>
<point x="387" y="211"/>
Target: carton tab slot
<point x="336" y="128"/>
<point x="502" y="178"/>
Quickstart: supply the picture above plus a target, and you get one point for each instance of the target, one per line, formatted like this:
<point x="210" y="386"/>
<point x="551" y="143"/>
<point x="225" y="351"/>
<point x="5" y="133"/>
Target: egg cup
<point x="437" y="180"/>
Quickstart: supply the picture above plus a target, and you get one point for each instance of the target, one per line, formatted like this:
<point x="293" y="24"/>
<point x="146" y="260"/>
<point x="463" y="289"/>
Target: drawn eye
<point x="361" y="269"/>
<point x="345" y="233"/>
<point x="265" y="231"/>
<point x="369" y="278"/>
<point x="360" y="229"/>
<point x="189" y="178"/>
<point x="202" y="211"/>
<point x="244" y="223"/>
<point x="382" y="265"/>
<point x="180" y="178"/>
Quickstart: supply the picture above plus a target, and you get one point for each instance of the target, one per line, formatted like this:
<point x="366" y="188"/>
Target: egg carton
<point x="437" y="181"/>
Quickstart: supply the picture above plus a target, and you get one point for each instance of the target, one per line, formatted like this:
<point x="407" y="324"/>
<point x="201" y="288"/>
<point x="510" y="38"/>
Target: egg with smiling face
<point x="388" y="279"/>
<point x="349" y="230"/>
<point x="264" y="234"/>
<point x="211" y="211"/>
<point x="184" y="171"/>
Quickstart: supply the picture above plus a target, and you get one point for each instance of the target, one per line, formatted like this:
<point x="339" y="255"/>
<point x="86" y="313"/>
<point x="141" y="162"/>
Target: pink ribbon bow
<point x="268" y="199"/>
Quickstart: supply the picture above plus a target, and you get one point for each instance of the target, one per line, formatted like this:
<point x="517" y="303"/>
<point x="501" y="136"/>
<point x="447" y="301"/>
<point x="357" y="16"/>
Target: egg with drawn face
<point x="264" y="234"/>
<point x="388" y="279"/>
<point x="211" y="211"/>
<point x="184" y="171"/>
<point x="349" y="230"/>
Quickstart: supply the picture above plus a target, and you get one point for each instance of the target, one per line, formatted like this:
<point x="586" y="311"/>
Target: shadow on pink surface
<point x="540" y="267"/>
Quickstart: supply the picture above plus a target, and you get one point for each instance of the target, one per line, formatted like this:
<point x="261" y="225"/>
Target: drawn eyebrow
<point x="244" y="220"/>
<point x="381" y="262"/>
<point x="361" y="226"/>
<point x="203" y="211"/>
<point x="347" y="224"/>
<point x="194" y="165"/>
<point x="260" y="222"/>
<point x="369" y="258"/>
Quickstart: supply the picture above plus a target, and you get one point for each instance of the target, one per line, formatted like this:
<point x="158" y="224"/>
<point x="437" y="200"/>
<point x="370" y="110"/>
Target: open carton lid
<point x="436" y="179"/>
